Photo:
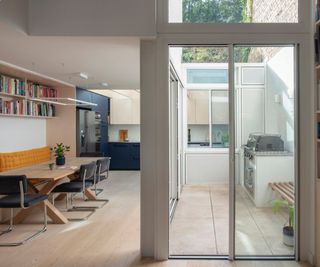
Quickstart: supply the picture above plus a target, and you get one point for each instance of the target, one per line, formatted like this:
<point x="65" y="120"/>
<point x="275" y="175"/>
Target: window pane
<point x="207" y="76"/>
<point x="233" y="11"/>
<point x="198" y="118"/>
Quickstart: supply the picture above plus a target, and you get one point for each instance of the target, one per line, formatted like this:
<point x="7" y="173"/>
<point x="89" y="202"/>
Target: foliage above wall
<point x="215" y="11"/>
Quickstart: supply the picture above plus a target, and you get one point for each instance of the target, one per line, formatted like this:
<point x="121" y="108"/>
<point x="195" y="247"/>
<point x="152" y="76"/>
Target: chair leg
<point x="10" y="228"/>
<point x="44" y="228"/>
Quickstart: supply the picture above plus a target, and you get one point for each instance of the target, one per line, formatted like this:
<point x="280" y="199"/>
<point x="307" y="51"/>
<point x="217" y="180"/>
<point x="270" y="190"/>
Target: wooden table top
<point x="43" y="172"/>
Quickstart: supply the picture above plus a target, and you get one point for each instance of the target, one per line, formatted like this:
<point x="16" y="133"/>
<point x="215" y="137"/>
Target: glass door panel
<point x="265" y="150"/>
<point x="200" y="224"/>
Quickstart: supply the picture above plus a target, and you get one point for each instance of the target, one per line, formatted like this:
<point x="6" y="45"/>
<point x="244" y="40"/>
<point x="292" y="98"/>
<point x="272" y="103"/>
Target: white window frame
<point x="302" y="26"/>
<point x="161" y="231"/>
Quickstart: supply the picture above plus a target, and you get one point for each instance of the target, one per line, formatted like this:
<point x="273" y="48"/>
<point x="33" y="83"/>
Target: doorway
<point x="238" y="106"/>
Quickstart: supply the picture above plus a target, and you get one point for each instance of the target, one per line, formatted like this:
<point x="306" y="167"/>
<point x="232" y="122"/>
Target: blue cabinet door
<point x="83" y="95"/>
<point x="120" y="156"/>
<point x="135" y="156"/>
<point x="124" y="156"/>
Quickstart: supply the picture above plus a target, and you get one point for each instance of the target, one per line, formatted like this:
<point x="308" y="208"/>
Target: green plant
<point x="278" y="203"/>
<point x="225" y="138"/>
<point x="59" y="150"/>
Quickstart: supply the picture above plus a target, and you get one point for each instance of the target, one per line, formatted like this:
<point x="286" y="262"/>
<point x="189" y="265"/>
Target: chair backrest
<point x="103" y="165"/>
<point x="87" y="171"/>
<point x="10" y="184"/>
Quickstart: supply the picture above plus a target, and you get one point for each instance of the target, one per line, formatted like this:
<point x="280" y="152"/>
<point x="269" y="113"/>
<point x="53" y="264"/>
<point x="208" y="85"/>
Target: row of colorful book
<point x="26" y="107"/>
<point x="15" y="86"/>
<point x="12" y="86"/>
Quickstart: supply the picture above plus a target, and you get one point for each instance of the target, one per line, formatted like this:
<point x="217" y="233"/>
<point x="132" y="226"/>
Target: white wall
<point x="175" y="11"/>
<point x="94" y="17"/>
<point x="280" y="81"/>
<point x="133" y="132"/>
<point x="18" y="134"/>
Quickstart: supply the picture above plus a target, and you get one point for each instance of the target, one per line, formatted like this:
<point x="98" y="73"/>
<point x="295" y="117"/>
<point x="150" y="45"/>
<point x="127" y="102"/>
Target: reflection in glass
<point x="264" y="151"/>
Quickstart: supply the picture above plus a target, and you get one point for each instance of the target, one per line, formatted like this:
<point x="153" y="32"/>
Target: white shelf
<point x="26" y="116"/>
<point x="30" y="98"/>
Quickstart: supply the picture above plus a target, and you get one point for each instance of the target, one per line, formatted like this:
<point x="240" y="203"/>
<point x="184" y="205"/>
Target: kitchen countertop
<point x="272" y="153"/>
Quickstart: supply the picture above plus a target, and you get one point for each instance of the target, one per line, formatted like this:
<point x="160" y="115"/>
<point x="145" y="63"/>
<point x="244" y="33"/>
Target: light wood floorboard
<point x="110" y="238"/>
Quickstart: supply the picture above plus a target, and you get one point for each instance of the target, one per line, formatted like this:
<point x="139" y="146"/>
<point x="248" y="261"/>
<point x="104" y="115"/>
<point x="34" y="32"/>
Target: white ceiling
<point x="120" y="93"/>
<point x="115" y="60"/>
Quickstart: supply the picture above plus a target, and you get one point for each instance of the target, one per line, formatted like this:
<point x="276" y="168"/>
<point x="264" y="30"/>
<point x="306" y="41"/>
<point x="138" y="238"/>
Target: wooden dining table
<point x="43" y="180"/>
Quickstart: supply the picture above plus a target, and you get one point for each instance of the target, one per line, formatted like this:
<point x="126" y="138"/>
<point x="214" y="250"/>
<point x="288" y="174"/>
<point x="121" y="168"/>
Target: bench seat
<point x="285" y="189"/>
<point x="15" y="160"/>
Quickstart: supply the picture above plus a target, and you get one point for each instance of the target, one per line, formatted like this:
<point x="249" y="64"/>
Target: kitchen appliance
<point x="88" y="131"/>
<point x="265" y="142"/>
<point x="262" y="145"/>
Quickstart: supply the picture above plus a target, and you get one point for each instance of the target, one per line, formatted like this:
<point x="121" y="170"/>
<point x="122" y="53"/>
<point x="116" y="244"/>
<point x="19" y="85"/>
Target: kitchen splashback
<point x="133" y="132"/>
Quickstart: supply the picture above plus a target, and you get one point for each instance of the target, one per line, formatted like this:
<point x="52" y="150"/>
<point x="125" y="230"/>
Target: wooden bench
<point x="285" y="189"/>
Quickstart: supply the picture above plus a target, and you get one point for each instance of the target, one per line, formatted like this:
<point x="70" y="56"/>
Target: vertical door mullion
<point x="296" y="150"/>
<point x="231" y="156"/>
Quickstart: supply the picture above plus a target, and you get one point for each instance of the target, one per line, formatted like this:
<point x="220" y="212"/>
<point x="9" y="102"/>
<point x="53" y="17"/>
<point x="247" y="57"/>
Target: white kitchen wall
<point x="18" y="134"/>
<point x="133" y="132"/>
<point x="280" y="84"/>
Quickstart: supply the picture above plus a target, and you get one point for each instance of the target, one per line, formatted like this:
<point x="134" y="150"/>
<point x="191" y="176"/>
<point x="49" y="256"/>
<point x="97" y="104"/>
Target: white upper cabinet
<point x="125" y="110"/>
<point x="198" y="107"/>
<point x="220" y="107"/>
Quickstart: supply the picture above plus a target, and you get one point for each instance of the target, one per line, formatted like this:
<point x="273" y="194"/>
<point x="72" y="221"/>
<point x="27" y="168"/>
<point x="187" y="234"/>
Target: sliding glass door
<point x="264" y="95"/>
<point x="238" y="152"/>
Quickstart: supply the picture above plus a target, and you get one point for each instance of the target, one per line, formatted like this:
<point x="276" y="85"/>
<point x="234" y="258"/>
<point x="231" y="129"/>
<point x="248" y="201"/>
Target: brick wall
<point x="275" y="11"/>
<point x="271" y="11"/>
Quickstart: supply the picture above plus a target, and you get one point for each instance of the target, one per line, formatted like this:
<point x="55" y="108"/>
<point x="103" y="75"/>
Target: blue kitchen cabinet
<point x="102" y="108"/>
<point x="135" y="156"/>
<point x="124" y="156"/>
<point x="83" y="95"/>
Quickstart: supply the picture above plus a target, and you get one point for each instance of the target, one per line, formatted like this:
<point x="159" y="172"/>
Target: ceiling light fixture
<point x="104" y="84"/>
<point x="83" y="75"/>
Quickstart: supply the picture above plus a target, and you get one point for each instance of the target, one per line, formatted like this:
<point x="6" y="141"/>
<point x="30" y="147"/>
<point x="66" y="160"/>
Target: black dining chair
<point x="14" y="191"/>
<point x="102" y="173"/>
<point x="79" y="185"/>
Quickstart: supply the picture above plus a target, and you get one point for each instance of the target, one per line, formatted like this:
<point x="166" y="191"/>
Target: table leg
<point x="56" y="216"/>
<point x="61" y="197"/>
<point x="89" y="194"/>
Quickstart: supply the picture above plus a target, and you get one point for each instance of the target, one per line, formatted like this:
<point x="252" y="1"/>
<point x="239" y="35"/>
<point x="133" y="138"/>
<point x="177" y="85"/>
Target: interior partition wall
<point x="155" y="116"/>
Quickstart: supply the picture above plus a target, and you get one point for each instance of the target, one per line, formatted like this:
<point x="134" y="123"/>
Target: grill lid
<point x="265" y="142"/>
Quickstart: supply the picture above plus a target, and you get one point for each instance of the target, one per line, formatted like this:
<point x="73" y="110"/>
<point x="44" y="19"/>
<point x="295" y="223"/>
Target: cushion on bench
<point x="15" y="160"/>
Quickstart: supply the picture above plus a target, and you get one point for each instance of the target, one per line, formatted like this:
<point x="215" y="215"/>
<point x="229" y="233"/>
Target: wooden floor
<point x="110" y="238"/>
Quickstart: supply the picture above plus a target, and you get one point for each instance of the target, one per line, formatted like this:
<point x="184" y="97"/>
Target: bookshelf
<point x="58" y="128"/>
<point x="22" y="97"/>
